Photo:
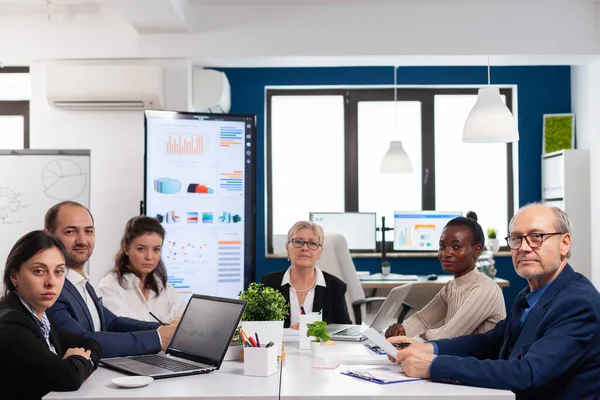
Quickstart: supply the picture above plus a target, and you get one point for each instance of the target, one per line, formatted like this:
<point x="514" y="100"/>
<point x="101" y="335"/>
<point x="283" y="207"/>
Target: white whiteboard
<point x="32" y="181"/>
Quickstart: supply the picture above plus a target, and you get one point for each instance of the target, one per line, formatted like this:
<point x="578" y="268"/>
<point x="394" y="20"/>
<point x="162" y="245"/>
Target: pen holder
<point x="260" y="361"/>
<point x="304" y="341"/>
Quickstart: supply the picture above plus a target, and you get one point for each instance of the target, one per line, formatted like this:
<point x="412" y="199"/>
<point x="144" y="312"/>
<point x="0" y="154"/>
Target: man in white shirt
<point x="78" y="308"/>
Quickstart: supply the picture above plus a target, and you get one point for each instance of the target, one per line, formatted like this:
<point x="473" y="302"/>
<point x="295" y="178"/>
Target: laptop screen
<point x="206" y="329"/>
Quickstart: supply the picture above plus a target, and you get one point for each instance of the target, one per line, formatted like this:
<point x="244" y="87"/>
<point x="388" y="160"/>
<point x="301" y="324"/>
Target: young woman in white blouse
<point x="137" y="285"/>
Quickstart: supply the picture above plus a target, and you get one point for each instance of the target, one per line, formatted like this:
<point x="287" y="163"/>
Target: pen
<point x="270" y="344"/>
<point x="156" y="318"/>
<point x="302" y="310"/>
<point x="257" y="341"/>
<point x="250" y="339"/>
<point x="401" y="345"/>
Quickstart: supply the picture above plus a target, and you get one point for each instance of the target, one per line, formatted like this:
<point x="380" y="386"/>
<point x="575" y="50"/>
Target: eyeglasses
<point x="298" y="243"/>
<point x="534" y="240"/>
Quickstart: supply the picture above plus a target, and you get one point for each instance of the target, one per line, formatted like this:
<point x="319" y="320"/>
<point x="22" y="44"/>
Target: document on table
<point x="381" y="375"/>
<point x="380" y="341"/>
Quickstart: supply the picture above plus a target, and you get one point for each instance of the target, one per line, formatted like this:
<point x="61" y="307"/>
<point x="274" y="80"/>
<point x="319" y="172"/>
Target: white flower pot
<point x="495" y="244"/>
<point x="317" y="350"/>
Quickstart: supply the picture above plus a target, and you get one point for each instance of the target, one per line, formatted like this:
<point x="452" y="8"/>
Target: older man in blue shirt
<point x="548" y="347"/>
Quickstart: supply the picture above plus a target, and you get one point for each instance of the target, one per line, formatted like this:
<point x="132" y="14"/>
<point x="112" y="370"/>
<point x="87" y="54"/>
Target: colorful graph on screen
<point x="231" y="181"/>
<point x="184" y="251"/>
<point x="185" y="145"/>
<point x="230" y="135"/>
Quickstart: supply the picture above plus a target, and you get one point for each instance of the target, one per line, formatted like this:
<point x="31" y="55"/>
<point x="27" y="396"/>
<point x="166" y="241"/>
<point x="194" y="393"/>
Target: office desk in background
<point x="298" y="381"/>
<point x="378" y="281"/>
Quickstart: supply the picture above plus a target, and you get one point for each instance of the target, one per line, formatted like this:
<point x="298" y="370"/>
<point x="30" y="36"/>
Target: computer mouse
<point x="432" y="277"/>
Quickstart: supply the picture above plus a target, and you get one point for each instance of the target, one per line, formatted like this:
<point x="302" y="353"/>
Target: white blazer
<point x="130" y="302"/>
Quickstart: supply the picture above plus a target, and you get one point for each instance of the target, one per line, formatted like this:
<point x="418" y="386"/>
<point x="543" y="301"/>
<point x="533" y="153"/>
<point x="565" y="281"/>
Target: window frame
<point x="352" y="96"/>
<point x="10" y="108"/>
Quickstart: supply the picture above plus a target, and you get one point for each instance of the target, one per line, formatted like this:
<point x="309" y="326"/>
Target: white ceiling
<point x="303" y="32"/>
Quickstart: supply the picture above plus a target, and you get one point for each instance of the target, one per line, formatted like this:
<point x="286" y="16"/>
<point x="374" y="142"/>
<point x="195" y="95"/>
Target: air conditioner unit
<point x="104" y="87"/>
<point x="211" y="91"/>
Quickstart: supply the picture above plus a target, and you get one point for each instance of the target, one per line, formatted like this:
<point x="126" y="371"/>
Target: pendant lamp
<point x="395" y="160"/>
<point x="490" y="121"/>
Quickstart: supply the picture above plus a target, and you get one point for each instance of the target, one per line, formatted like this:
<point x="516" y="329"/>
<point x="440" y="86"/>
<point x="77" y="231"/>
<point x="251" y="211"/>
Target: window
<point x="15" y="93"/>
<point x="470" y="176"/>
<point x="307" y="154"/>
<point x="378" y="124"/>
<point x="339" y="137"/>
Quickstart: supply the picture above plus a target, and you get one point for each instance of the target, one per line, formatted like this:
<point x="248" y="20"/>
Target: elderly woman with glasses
<point x="303" y="284"/>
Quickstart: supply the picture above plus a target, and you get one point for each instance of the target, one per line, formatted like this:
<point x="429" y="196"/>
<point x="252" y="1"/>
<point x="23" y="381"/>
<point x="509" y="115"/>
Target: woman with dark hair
<point x="469" y="303"/>
<point x="137" y="285"/>
<point x="37" y="357"/>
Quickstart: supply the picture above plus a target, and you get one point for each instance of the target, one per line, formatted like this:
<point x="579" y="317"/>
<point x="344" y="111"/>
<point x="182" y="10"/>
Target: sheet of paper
<point x="380" y="341"/>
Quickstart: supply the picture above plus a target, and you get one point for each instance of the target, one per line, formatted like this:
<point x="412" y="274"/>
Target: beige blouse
<point x="472" y="303"/>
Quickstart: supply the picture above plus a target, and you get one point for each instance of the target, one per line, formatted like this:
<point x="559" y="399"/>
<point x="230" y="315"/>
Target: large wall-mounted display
<point x="200" y="177"/>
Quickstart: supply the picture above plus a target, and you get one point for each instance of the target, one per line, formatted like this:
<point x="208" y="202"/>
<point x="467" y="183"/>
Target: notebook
<point x="198" y="345"/>
<point x="386" y="316"/>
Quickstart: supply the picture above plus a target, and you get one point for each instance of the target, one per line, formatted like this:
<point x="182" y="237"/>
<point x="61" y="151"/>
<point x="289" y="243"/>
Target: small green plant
<point x="491" y="232"/>
<point x="264" y="303"/>
<point x="317" y="329"/>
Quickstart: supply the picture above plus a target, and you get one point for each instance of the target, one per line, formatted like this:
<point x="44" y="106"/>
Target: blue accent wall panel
<point x="540" y="90"/>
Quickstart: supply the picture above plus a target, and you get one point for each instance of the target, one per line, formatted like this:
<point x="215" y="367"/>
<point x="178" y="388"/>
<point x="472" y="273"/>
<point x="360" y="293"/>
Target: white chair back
<point x="337" y="261"/>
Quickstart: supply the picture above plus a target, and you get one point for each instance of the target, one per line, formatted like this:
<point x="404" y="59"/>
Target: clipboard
<point x="380" y="375"/>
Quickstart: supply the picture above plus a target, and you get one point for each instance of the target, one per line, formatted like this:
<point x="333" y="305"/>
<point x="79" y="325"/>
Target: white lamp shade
<point x="395" y="160"/>
<point x="490" y="121"/>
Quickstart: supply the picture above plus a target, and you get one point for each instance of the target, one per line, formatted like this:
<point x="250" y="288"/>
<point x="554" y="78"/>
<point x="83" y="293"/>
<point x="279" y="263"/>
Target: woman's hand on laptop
<point x="395" y="330"/>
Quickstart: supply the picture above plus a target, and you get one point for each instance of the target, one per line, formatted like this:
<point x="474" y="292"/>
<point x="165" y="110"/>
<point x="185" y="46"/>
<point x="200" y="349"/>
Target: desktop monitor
<point x="420" y="230"/>
<point x="357" y="228"/>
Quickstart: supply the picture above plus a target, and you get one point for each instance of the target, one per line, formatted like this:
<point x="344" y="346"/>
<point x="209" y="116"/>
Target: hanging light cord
<point x="489" y="38"/>
<point x="395" y="98"/>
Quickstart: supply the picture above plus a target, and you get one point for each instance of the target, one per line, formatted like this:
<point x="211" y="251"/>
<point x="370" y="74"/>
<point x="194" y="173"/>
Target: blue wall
<point x="541" y="90"/>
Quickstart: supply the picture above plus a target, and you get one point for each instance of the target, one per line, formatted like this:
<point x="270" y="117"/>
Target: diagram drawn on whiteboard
<point x="63" y="180"/>
<point x="10" y="203"/>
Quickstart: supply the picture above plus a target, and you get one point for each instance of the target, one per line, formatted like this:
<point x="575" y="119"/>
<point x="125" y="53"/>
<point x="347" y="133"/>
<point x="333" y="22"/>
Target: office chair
<point x="337" y="261"/>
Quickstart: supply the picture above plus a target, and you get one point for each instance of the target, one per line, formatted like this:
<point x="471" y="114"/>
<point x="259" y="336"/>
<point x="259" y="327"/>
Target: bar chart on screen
<point x="185" y="144"/>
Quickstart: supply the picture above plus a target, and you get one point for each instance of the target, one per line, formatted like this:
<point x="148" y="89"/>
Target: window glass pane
<point x="12" y="134"/>
<point x="307" y="157"/>
<point x="15" y="87"/>
<point x="377" y="126"/>
<point x="468" y="176"/>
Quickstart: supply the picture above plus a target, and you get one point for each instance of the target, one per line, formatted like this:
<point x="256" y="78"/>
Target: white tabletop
<point x="299" y="381"/>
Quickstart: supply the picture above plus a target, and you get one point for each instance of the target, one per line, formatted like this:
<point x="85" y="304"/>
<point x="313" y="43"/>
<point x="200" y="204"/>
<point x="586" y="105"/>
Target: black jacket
<point x="28" y="369"/>
<point x="330" y="299"/>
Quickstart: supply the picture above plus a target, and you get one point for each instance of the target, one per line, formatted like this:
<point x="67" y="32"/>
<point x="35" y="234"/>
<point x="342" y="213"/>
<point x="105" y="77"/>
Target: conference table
<point x="299" y="381"/>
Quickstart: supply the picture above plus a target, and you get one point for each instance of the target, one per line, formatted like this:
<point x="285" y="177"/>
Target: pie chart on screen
<point x="63" y="179"/>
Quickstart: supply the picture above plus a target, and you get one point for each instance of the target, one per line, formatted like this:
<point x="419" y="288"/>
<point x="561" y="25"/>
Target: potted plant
<point x="264" y="314"/>
<point x="493" y="241"/>
<point x="320" y="336"/>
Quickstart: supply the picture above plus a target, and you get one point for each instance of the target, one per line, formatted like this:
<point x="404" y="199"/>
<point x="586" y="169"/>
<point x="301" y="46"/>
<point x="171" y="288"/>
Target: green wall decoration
<point x="559" y="132"/>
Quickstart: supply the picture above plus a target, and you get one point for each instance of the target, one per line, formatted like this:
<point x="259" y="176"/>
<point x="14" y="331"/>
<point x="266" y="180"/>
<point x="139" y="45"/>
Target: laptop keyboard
<point x="166" y="363"/>
<point x="350" y="331"/>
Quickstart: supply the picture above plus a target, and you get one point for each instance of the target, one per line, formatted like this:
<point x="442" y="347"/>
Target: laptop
<point x="198" y="345"/>
<point x="386" y="316"/>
